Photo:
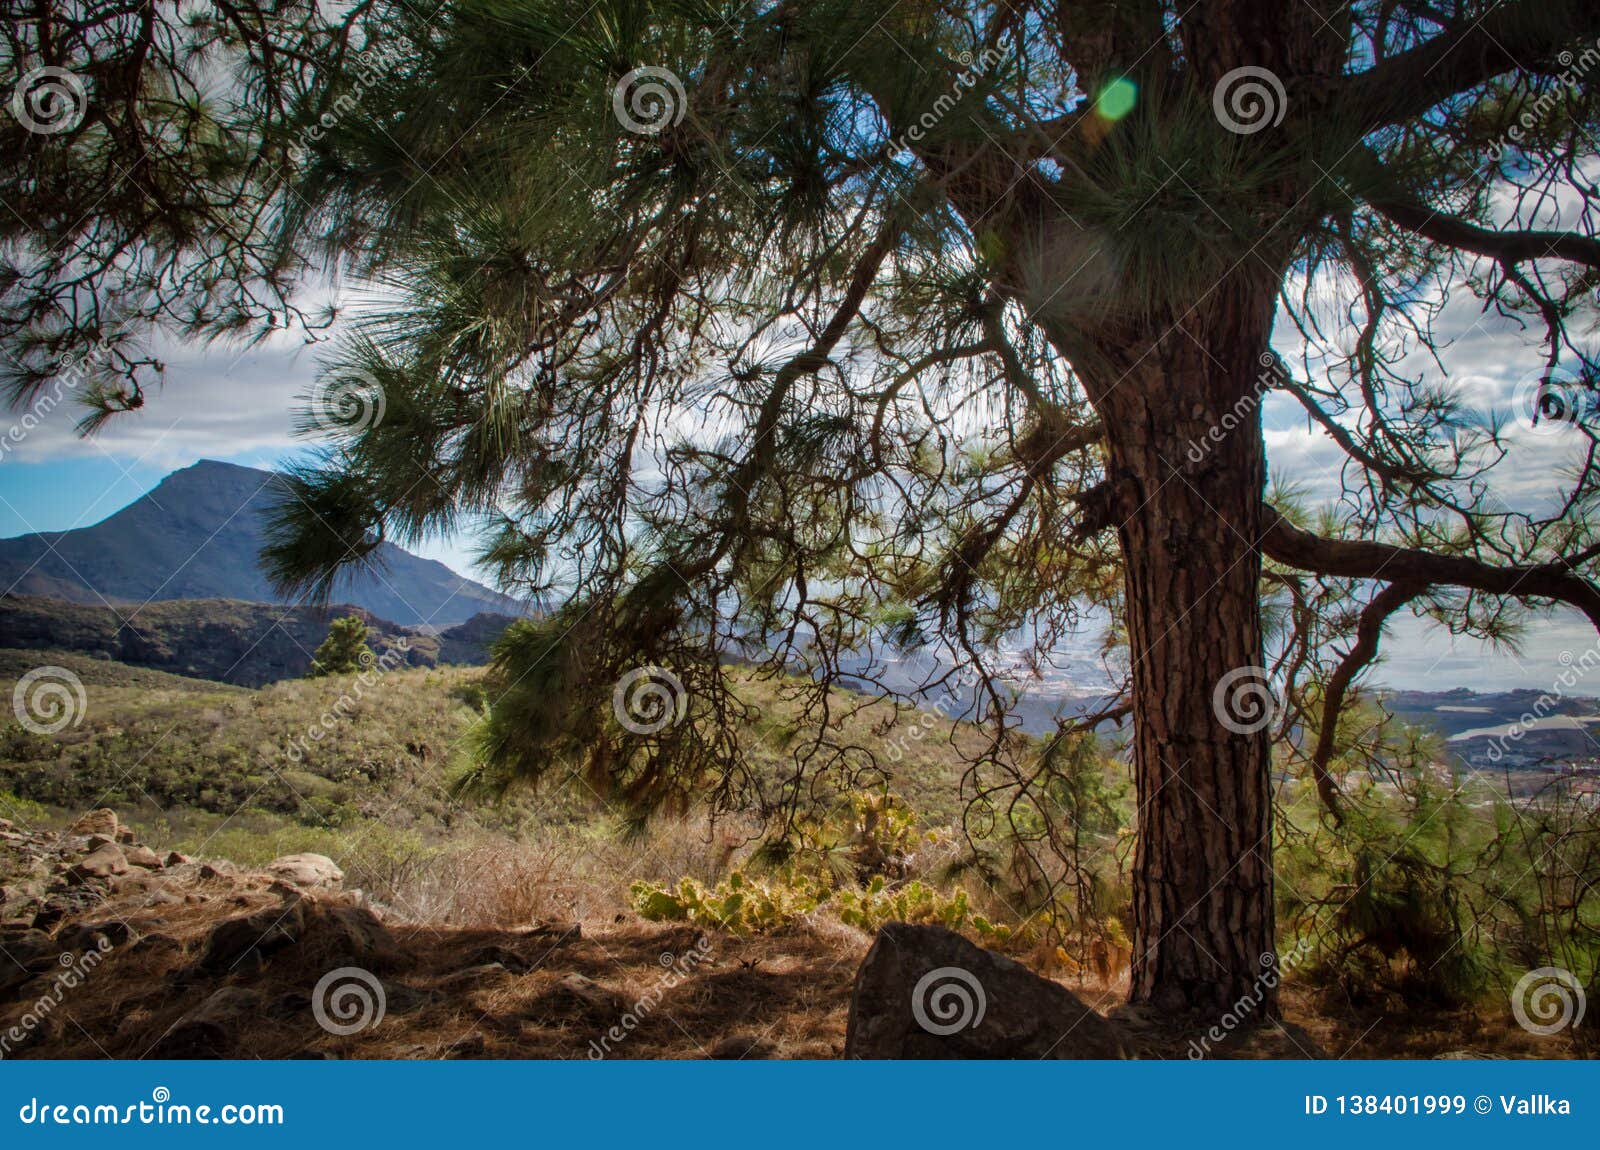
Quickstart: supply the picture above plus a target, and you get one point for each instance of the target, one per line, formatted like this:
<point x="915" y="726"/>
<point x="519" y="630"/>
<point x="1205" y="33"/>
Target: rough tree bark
<point x="1184" y="487"/>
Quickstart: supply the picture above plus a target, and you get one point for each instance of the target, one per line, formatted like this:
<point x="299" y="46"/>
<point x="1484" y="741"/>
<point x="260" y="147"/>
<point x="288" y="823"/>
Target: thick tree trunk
<point x="1186" y="478"/>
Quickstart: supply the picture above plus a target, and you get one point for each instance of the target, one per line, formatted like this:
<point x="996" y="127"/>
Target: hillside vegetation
<point x="360" y="767"/>
<point x="1455" y="891"/>
<point x="227" y="640"/>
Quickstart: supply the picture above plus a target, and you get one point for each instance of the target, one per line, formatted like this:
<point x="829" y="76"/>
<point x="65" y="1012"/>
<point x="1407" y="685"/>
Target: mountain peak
<point x="198" y="534"/>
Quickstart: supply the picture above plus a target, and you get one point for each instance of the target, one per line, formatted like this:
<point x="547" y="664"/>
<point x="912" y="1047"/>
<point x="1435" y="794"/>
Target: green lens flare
<point x="1117" y="99"/>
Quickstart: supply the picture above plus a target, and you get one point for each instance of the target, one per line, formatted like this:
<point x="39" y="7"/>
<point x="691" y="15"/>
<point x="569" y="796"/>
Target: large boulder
<point x="307" y="871"/>
<point x="232" y="941"/>
<point x="925" y="992"/>
<point x="142" y="856"/>
<point x="99" y="822"/>
<point x="104" y="861"/>
<point x="351" y="934"/>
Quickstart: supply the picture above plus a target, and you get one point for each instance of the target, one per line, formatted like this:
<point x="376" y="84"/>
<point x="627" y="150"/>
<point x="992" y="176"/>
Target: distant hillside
<point x="198" y="535"/>
<point x="1508" y="729"/>
<point x="169" y="748"/>
<point x="247" y="644"/>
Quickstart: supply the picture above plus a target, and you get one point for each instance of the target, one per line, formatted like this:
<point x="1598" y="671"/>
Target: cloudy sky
<point x="241" y="407"/>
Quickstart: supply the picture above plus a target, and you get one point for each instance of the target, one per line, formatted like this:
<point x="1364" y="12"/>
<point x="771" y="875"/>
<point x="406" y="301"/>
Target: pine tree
<point x="787" y="332"/>
<point x="344" y="651"/>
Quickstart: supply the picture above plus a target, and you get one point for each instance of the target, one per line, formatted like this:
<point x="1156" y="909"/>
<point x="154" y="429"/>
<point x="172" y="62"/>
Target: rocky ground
<point x="111" y="949"/>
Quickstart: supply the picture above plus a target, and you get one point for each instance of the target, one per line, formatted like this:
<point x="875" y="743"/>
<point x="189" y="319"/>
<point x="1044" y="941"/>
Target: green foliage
<point x="877" y="903"/>
<point x="738" y="903"/>
<point x="1393" y="899"/>
<point x="839" y="865"/>
<point x="854" y="836"/>
<point x="344" y="651"/>
<point x="313" y="751"/>
<point x="745" y="905"/>
<point x="24" y="811"/>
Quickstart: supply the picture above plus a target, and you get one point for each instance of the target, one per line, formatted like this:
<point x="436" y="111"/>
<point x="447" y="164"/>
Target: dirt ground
<point x="620" y="989"/>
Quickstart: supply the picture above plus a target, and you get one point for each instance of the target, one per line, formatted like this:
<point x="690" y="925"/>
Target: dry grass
<point x="786" y="992"/>
<point x="789" y="989"/>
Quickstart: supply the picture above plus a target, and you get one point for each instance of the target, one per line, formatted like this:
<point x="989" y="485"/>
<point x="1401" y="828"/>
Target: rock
<point x="55" y="908"/>
<point x="99" y="822"/>
<point x="125" y="835"/>
<point x="102" y="862"/>
<point x="352" y="934"/>
<point x="924" y="992"/>
<point x="175" y="859"/>
<point x="23" y="942"/>
<point x="262" y="934"/>
<point x="307" y="871"/>
<point x="142" y="856"/>
<point x="211" y="1030"/>
<point x="98" y="841"/>
<point x="134" y="882"/>
<point x="742" y="1046"/>
<point x="19" y="894"/>
<point x="211" y="873"/>
<point x="84" y="936"/>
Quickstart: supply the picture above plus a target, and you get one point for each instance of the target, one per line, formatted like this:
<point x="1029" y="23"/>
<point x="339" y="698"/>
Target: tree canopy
<point x="344" y="651"/>
<point x="810" y="334"/>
